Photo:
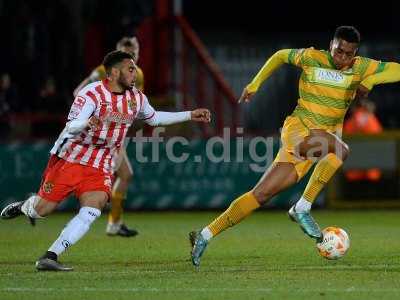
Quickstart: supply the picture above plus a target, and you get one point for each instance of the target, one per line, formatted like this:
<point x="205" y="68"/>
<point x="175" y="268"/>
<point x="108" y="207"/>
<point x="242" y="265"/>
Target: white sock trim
<point x="303" y="205"/>
<point x="206" y="233"/>
<point x="28" y="208"/>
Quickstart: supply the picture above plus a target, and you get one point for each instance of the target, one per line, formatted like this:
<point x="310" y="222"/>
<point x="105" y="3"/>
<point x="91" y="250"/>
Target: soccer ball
<point x="335" y="243"/>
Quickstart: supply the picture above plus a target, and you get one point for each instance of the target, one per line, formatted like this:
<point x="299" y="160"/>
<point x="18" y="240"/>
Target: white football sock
<point x="28" y="208"/>
<point x="303" y="205"/>
<point x="206" y="234"/>
<point x="75" y="229"/>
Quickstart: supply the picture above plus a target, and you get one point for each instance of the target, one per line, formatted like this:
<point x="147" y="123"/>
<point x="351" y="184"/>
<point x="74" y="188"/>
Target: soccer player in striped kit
<point x="328" y="84"/>
<point x="122" y="167"/>
<point x="81" y="159"/>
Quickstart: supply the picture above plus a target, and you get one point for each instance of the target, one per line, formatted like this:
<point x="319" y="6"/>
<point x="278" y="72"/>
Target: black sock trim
<point x="51" y="255"/>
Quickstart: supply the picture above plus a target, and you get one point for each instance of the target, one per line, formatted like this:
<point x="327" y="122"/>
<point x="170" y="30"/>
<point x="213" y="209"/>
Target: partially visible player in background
<point x="122" y="166"/>
<point x="126" y="44"/>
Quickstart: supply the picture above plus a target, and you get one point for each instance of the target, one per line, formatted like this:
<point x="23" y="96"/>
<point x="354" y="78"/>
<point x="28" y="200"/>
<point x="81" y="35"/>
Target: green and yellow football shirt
<point x="325" y="93"/>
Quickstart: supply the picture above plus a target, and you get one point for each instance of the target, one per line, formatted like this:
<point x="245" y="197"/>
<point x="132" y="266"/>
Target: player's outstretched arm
<point x="162" y="118"/>
<point x="156" y="118"/>
<point x="273" y="63"/>
<point x="391" y="73"/>
<point x="201" y="115"/>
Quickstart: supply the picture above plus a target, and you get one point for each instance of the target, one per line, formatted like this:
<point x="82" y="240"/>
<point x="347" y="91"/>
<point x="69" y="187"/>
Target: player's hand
<point x="362" y="92"/>
<point x="201" y="115"/>
<point x="95" y="123"/>
<point x="246" y="96"/>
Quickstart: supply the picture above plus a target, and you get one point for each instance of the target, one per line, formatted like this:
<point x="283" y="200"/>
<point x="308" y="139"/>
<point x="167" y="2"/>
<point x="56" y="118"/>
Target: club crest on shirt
<point x="132" y="104"/>
<point x="48" y="187"/>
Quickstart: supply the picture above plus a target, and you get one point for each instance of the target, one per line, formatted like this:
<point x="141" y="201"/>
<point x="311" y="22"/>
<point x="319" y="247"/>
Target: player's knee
<point x="44" y="208"/>
<point x="41" y="211"/>
<point x="102" y="204"/>
<point x="99" y="203"/>
<point x="102" y="201"/>
<point x="94" y="199"/>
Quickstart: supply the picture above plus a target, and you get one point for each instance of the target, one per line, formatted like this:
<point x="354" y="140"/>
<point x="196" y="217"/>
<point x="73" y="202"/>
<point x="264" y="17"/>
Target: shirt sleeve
<point x="146" y="110"/>
<point x="155" y="118"/>
<point x="383" y="73"/>
<point x="369" y="67"/>
<point x="296" y="57"/>
<point x="81" y="110"/>
<point x="273" y="63"/>
<point x="168" y="118"/>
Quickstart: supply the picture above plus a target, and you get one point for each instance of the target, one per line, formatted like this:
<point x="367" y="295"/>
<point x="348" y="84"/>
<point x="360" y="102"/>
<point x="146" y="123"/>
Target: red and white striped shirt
<point x="117" y="112"/>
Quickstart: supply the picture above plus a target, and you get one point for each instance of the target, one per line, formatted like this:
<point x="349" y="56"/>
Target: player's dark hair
<point x="348" y="33"/>
<point x="113" y="58"/>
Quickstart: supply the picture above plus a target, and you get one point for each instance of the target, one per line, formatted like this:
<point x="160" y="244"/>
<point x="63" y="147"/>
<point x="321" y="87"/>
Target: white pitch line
<point x="222" y="269"/>
<point x="203" y="290"/>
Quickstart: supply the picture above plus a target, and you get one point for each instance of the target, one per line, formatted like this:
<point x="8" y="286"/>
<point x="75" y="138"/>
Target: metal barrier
<point x="202" y="82"/>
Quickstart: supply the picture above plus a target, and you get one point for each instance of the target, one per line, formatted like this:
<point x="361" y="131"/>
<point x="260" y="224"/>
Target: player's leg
<point x="93" y="188"/>
<point x="91" y="205"/>
<point x="330" y="152"/>
<point x="286" y="170"/>
<point x="124" y="174"/>
<point x="34" y="207"/>
<point x="331" y="156"/>
<point x="278" y="177"/>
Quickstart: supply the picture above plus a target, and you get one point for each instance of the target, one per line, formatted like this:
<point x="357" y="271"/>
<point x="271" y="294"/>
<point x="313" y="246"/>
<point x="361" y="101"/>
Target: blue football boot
<point x="199" y="244"/>
<point x="306" y="222"/>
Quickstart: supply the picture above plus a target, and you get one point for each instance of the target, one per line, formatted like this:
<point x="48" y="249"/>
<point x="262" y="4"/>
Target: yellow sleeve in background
<point x="139" y="79"/>
<point x="391" y="73"/>
<point x="101" y="72"/>
<point x="273" y="63"/>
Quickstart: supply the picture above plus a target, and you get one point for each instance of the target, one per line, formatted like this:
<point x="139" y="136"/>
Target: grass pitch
<point x="265" y="257"/>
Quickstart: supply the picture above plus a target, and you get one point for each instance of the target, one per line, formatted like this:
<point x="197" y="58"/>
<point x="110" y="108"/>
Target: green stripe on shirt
<point x="317" y="118"/>
<point x="324" y="100"/>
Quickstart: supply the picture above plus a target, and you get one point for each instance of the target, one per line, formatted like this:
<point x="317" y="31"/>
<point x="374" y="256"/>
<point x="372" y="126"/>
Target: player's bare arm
<point x="201" y="115"/>
<point x="246" y="96"/>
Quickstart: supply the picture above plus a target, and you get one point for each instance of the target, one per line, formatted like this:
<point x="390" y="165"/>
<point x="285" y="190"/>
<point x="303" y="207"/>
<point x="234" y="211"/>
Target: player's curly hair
<point x="348" y="33"/>
<point x="113" y="58"/>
